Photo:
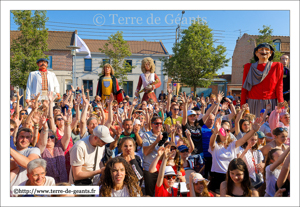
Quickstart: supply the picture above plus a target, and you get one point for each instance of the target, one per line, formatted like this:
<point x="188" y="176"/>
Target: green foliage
<point x="196" y="59"/>
<point x="117" y="49"/>
<point x="29" y="46"/>
<point x="266" y="36"/>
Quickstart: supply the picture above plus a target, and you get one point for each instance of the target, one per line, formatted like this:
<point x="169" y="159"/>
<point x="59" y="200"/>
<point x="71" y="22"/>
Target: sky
<point x="155" y="25"/>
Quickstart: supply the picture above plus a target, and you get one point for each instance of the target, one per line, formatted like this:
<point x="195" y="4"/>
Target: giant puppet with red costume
<point x="262" y="80"/>
<point x="148" y="79"/>
<point x="108" y="84"/>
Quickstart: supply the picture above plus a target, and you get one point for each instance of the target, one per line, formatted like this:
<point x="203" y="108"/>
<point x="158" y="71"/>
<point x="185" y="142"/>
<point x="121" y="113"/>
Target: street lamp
<point x="73" y="53"/>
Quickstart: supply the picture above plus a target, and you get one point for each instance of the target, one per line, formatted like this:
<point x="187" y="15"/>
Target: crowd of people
<point x="175" y="145"/>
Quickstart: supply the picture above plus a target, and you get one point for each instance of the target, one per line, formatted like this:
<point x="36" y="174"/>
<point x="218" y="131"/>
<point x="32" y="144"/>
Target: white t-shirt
<point x="124" y="192"/>
<point x="258" y="158"/>
<point x="271" y="179"/>
<point x="22" y="175"/>
<point x="83" y="154"/>
<point x="221" y="157"/>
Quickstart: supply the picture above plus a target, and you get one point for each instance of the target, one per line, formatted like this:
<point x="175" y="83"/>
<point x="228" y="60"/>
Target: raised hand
<point x="202" y="100"/>
<point x="169" y="89"/>
<point x="218" y="124"/>
<point x="188" y="133"/>
<point x="135" y="101"/>
<point x="268" y="107"/>
<point x="160" y="151"/>
<point x="136" y="128"/>
<point x="220" y="96"/>
<point x="36" y="117"/>
<point x="73" y="89"/>
<point x="280" y="105"/>
<point x="173" y="129"/>
<point x="168" y="151"/>
<point x="111" y="98"/>
<point x="245" y="106"/>
<point x="257" y="124"/>
<point x="43" y="122"/>
<point x="18" y="96"/>
<point x="50" y="96"/>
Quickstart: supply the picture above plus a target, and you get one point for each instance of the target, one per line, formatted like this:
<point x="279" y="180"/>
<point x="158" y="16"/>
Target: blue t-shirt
<point x="206" y="134"/>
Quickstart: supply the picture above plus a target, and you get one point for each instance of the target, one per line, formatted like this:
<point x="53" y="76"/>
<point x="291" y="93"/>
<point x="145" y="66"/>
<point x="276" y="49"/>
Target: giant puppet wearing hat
<point x="41" y="81"/>
<point x="262" y="81"/>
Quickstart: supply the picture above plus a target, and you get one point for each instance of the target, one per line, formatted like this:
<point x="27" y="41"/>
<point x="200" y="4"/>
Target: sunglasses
<point x="169" y="177"/>
<point x="227" y="130"/>
<point x="173" y="148"/>
<point x="282" y="129"/>
<point x="51" y="137"/>
<point x="176" y="109"/>
<point x="183" y="151"/>
<point x="23" y="113"/>
<point x="59" y="119"/>
<point x="124" y="102"/>
<point x="157" y="123"/>
<point x="12" y="129"/>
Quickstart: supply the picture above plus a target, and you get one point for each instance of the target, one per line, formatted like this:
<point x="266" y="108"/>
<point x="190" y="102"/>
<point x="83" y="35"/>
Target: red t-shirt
<point x="162" y="192"/>
<point x="210" y="194"/>
<point x="174" y="168"/>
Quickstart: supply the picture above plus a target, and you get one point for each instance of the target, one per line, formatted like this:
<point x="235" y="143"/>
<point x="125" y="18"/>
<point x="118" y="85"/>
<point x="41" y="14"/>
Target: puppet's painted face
<point x="263" y="53"/>
<point x="147" y="66"/>
<point x="42" y="64"/>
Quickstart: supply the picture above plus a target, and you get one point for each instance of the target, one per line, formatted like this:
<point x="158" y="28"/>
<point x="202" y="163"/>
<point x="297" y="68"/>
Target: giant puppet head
<point x="148" y="64"/>
<point x="263" y="51"/>
<point x="42" y="63"/>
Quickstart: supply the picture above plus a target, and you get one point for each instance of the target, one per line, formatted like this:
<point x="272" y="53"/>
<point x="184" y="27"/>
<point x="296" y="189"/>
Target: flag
<point x="83" y="47"/>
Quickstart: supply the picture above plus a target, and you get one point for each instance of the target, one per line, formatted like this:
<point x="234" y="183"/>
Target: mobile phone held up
<point x="164" y="139"/>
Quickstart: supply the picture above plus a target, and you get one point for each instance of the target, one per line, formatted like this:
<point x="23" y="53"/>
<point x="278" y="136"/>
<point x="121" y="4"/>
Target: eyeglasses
<point x="59" y="119"/>
<point x="183" y="151"/>
<point x="282" y="129"/>
<point x="173" y="148"/>
<point x="169" y="177"/>
<point x="12" y="129"/>
<point x="51" y="137"/>
<point x="157" y="123"/>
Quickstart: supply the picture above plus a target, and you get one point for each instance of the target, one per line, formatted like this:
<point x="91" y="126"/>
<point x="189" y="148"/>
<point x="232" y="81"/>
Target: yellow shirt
<point x="168" y="120"/>
<point x="106" y="87"/>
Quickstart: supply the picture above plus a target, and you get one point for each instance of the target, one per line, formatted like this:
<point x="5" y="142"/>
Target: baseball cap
<point x="198" y="177"/>
<point x="136" y="121"/>
<point x="182" y="147"/>
<point x="261" y="134"/>
<point x="102" y="132"/>
<point x="262" y="111"/>
<point x="169" y="171"/>
<point x="191" y="112"/>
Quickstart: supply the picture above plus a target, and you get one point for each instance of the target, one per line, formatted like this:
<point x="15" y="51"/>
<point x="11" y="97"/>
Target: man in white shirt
<point x="41" y="81"/>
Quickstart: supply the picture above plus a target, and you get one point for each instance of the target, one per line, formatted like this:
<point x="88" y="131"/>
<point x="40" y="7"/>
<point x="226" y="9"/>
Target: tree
<point x="266" y="36"/>
<point x="195" y="60"/>
<point x="29" y="46"/>
<point x="117" y="49"/>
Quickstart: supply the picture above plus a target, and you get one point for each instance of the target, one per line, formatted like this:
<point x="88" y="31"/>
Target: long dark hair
<point x="241" y="123"/>
<point x="238" y="164"/>
<point x="131" y="181"/>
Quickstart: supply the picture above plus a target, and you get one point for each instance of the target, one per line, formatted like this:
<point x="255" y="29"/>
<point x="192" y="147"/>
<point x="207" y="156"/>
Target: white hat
<point x="136" y="121"/>
<point x="187" y="175"/>
<point x="169" y="171"/>
<point x="198" y="177"/>
<point x="102" y="132"/>
<point x="191" y="112"/>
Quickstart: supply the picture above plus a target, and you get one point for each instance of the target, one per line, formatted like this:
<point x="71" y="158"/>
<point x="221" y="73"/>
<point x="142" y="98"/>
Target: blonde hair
<point x="152" y="65"/>
<point x="112" y="72"/>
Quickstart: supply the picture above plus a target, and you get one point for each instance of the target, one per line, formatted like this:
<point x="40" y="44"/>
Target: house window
<point x="50" y="62"/>
<point x="277" y="44"/>
<point x="130" y="63"/>
<point x="87" y="64"/>
<point x="88" y="84"/>
<point x="106" y="61"/>
<point x="128" y="88"/>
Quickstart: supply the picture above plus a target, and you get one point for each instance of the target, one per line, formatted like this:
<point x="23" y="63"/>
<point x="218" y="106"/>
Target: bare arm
<point x="232" y="109"/>
<point x="21" y="159"/>
<point x="170" y="91"/>
<point x="43" y="136"/>
<point x="82" y="123"/>
<point x="192" y="146"/>
<point x="184" y="101"/>
<point x="152" y="168"/>
<point x="110" y="111"/>
<point x="284" y="172"/>
<point x="238" y="118"/>
<point x="67" y="129"/>
<point x="78" y="174"/>
<point x="34" y="109"/>
<point x="51" y="118"/>
<point x="160" y="177"/>
<point x="114" y="144"/>
<point x="280" y="159"/>
<point x="136" y="130"/>
<point x="213" y="137"/>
